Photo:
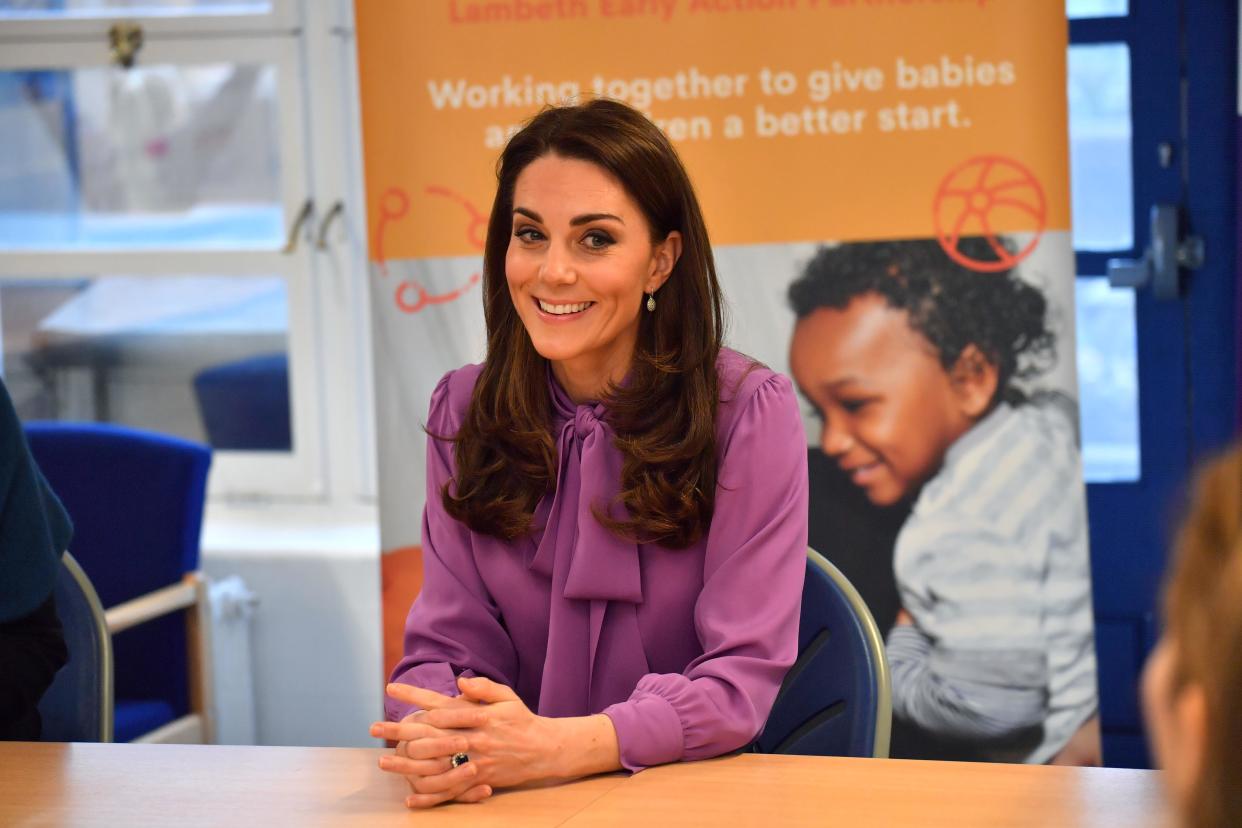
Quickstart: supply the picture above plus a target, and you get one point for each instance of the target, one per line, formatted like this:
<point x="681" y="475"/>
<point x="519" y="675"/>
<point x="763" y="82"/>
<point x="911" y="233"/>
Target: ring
<point x="459" y="759"/>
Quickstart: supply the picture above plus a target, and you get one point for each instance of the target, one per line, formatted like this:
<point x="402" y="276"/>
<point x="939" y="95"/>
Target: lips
<point x="862" y="474"/>
<point x="563" y="309"/>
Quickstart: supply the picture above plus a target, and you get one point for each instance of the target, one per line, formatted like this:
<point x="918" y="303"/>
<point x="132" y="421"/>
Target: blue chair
<point x="136" y="500"/>
<point x="78" y="705"/>
<point x="837" y="698"/>
<point x="245" y="404"/>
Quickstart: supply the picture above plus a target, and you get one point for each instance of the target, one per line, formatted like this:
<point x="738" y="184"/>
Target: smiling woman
<point x="612" y="483"/>
<point x="581" y="258"/>
<point x="621" y="220"/>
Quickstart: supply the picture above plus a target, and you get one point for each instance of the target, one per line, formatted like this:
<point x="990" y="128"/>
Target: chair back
<point x="136" y="500"/>
<point x="78" y="705"/>
<point x="836" y="699"/>
<point x="245" y="404"/>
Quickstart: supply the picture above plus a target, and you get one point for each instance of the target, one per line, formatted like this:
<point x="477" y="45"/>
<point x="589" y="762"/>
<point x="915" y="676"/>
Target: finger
<point x="454" y="782"/>
<point x="485" y="690"/>
<point x="415" y="767"/>
<point x="405" y="731"/>
<point x="436" y="748"/>
<point x="426" y="699"/>
<point x="476" y="794"/>
<point x="457" y="718"/>
<point x="425" y="800"/>
<point x="467" y="793"/>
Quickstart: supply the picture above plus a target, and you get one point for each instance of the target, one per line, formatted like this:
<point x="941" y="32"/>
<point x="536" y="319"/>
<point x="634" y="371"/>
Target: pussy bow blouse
<point x="683" y="649"/>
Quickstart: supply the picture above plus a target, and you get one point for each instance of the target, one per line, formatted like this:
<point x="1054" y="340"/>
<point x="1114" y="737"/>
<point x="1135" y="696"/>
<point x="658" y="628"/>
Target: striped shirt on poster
<point x="992" y="566"/>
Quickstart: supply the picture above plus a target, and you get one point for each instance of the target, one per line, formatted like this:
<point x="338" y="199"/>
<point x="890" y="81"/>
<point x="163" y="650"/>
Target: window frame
<point x="92" y="27"/>
<point x="311" y="47"/>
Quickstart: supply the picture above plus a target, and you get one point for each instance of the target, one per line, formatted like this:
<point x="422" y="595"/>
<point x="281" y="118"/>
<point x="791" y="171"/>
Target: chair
<point x="836" y="699"/>
<point x="77" y="707"/>
<point x="136" y="500"/>
<point x="245" y="404"/>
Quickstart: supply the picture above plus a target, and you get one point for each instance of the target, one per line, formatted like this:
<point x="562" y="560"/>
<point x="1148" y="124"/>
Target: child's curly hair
<point x="953" y="307"/>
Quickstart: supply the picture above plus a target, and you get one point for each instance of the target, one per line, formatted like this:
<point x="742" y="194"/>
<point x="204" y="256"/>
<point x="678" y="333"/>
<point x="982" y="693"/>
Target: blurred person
<point x="1192" y="684"/>
<point x="34" y="533"/>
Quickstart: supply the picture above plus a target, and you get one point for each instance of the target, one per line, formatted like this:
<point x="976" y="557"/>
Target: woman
<point x="1192" y="685"/>
<point x="613" y="566"/>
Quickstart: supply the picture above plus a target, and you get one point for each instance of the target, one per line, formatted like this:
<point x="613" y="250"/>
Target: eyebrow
<point x="586" y="218"/>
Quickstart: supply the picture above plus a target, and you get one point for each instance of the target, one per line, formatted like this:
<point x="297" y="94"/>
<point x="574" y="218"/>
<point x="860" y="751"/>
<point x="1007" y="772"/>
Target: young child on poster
<point x="914" y="364"/>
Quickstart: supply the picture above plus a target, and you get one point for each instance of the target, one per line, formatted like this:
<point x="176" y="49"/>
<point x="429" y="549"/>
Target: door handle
<point x="295" y="230"/>
<point x="1163" y="259"/>
<point x="321" y="240"/>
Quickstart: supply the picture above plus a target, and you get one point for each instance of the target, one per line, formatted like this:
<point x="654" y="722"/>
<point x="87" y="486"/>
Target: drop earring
<point x="650" y="302"/>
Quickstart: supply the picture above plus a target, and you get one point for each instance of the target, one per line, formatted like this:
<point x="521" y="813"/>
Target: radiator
<point x="232" y="612"/>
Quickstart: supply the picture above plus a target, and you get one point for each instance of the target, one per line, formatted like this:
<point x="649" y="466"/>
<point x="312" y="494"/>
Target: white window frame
<point x="282" y="15"/>
<point x="311" y="47"/>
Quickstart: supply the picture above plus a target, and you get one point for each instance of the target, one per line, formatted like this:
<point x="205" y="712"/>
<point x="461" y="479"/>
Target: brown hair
<point x="1203" y="605"/>
<point x="664" y="417"/>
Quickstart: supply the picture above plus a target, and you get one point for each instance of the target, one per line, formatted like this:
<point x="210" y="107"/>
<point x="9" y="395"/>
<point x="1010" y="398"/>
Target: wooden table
<point x="238" y="787"/>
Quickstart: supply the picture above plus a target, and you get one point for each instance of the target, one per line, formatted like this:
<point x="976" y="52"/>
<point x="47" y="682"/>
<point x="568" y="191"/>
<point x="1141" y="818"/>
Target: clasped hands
<point x="506" y="743"/>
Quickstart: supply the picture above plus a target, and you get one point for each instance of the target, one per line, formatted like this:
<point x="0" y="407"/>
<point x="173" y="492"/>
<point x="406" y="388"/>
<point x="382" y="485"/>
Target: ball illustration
<point x="981" y="196"/>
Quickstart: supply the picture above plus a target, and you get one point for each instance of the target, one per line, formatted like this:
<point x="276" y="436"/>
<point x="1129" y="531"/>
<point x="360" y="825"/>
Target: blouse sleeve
<point x="747" y="613"/>
<point x="454" y="626"/>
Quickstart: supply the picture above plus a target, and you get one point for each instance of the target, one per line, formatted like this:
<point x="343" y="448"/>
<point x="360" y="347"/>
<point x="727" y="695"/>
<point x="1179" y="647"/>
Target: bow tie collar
<point x="585" y="560"/>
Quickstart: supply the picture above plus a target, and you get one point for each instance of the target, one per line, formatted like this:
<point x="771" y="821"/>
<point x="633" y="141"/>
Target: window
<point x="1079" y="9"/>
<point x="1102" y="190"/>
<point x="172" y="252"/>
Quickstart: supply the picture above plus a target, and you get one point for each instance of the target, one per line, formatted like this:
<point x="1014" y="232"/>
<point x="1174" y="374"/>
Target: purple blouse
<point x="683" y="649"/>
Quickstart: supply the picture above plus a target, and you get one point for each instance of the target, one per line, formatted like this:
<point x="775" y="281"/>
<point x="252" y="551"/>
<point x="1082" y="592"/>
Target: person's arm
<point x="747" y="613"/>
<point x="34" y="532"/>
<point x="454" y="626"/>
<point x="32" y="649"/>
<point x="973" y="665"/>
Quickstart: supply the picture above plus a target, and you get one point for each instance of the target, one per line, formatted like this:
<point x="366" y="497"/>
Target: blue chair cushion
<point x="245" y="404"/>
<point x="134" y="717"/>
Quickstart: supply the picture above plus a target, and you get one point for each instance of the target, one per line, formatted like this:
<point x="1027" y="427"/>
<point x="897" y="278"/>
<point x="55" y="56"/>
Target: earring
<point x="650" y="302"/>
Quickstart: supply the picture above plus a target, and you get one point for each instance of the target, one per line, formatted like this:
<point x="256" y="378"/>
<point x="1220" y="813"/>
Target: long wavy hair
<point x="664" y="416"/>
<point x="1203" y="607"/>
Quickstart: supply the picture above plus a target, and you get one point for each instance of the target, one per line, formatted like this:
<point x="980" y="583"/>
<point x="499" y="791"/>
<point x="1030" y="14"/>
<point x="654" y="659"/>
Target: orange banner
<point x="798" y="119"/>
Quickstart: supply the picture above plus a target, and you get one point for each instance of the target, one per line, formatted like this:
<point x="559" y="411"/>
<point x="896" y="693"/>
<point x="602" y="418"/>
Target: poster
<point x="898" y="138"/>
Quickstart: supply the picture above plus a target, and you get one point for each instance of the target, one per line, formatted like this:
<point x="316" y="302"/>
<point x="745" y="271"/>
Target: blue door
<point x="1153" y="98"/>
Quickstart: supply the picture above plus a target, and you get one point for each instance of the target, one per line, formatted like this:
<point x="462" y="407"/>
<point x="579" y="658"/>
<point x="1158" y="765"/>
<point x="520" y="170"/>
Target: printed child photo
<point x="926" y="377"/>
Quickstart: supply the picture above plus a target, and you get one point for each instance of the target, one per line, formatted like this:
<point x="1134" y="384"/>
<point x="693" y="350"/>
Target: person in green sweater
<point x="34" y="533"/>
